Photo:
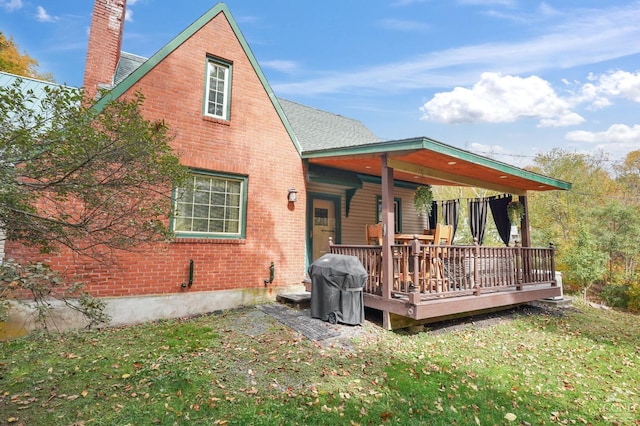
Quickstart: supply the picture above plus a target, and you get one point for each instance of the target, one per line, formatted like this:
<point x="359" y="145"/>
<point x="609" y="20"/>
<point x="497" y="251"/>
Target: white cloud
<point x="11" y="5"/>
<point x="498" y="152"/>
<point x="282" y="66"/>
<point x="501" y="99"/>
<point x="619" y="138"/>
<point x="43" y="16"/>
<point x="620" y="84"/>
<point x="582" y="37"/>
<point x="617" y="133"/>
<point x="402" y="25"/>
<point x="128" y="15"/>
<point x="407" y="2"/>
<point x="567" y="119"/>
<point x="507" y="3"/>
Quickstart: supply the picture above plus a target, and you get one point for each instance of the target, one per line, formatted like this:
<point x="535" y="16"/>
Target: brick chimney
<point x="105" y="39"/>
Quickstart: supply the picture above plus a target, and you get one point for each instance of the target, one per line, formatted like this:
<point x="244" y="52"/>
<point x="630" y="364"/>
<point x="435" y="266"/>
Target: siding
<point x="363" y="210"/>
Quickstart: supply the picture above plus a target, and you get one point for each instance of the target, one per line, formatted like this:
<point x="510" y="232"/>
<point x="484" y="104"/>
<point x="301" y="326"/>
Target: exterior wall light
<point x="293" y="195"/>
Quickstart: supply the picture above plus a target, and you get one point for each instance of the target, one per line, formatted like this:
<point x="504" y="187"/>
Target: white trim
<point x="213" y="64"/>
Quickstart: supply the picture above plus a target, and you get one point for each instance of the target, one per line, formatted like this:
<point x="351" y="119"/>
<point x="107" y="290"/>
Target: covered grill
<point x="336" y="293"/>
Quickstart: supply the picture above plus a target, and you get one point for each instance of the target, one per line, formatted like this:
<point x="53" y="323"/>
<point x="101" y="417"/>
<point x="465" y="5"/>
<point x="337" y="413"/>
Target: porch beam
<point x="450" y="177"/>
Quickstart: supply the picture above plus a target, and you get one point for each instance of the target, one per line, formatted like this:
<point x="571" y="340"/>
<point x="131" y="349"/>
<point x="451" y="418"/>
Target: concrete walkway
<point x="301" y="321"/>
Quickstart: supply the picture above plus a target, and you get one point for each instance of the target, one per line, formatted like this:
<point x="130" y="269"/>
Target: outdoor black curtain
<point x="451" y="210"/>
<point x="478" y="210"/>
<point x="433" y="216"/>
<point x="500" y="217"/>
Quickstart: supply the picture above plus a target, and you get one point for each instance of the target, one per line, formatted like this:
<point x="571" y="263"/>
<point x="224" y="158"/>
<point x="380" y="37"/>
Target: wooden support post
<point x="476" y="266"/>
<point x="520" y="264"/>
<point x="524" y="223"/>
<point x="414" y="294"/>
<point x="553" y="264"/>
<point x="388" y="221"/>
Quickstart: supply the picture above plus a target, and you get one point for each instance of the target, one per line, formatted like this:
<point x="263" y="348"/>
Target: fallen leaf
<point x="126" y="376"/>
<point x="510" y="416"/>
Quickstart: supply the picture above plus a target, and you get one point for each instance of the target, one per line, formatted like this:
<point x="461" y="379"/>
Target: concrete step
<point x="295" y="300"/>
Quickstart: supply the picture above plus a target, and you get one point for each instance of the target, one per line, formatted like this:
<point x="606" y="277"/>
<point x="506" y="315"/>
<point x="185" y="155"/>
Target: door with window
<point x="324" y="224"/>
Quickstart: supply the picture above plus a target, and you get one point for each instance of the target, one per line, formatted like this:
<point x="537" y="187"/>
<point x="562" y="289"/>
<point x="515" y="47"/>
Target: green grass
<point x="239" y="368"/>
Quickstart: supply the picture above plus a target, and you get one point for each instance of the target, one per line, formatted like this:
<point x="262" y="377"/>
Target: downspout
<point x="272" y="274"/>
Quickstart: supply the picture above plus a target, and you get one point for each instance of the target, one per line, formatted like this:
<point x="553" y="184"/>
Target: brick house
<point x="232" y="133"/>
<point x="252" y="149"/>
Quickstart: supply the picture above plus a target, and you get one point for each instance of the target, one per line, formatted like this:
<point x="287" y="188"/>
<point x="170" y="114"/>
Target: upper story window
<point x="218" y="91"/>
<point x="211" y="205"/>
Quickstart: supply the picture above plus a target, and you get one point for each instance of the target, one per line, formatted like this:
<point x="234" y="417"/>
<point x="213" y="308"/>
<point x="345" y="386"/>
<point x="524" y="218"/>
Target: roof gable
<point x="145" y="67"/>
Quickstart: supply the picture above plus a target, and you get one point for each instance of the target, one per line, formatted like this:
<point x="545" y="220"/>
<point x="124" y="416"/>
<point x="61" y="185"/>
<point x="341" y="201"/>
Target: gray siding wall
<point x="363" y="210"/>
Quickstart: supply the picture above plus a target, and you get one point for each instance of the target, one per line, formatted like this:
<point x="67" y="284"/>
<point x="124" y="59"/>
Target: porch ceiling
<point x="428" y="162"/>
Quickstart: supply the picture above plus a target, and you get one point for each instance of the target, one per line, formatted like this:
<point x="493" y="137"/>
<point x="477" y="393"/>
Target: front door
<point x="324" y="224"/>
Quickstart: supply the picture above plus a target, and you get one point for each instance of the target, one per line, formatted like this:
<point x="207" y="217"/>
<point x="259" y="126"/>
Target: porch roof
<point x="426" y="161"/>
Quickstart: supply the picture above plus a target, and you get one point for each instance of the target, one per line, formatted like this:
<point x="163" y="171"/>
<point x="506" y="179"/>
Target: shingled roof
<point x="127" y="64"/>
<point x="317" y="129"/>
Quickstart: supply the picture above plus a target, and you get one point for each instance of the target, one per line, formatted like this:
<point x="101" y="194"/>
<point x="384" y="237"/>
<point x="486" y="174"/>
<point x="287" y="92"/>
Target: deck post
<point x="476" y="265"/>
<point x="519" y="266"/>
<point x="388" y="225"/>
<point x="414" y="294"/>
<point x="553" y="264"/>
<point x="524" y="223"/>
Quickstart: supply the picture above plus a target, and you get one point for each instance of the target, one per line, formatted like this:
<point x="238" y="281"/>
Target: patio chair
<point x="374" y="234"/>
<point x="439" y="280"/>
<point x="443" y="235"/>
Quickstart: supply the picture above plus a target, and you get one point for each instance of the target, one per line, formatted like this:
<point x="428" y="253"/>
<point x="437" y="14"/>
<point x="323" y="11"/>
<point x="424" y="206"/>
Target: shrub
<point x="634" y="297"/>
<point x="616" y="296"/>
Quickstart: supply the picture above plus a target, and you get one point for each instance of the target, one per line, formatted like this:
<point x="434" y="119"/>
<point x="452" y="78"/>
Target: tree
<point x="14" y="62"/>
<point x="618" y="233"/>
<point x="554" y="216"/>
<point x="629" y="178"/>
<point x="585" y="263"/>
<point x="87" y="180"/>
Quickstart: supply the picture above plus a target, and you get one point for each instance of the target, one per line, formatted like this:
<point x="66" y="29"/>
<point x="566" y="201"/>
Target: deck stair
<point x="295" y="300"/>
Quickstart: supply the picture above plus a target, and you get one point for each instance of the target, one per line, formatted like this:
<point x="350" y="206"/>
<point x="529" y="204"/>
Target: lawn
<point x="576" y="366"/>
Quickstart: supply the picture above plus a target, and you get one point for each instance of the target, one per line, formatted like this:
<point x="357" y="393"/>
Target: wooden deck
<point x="431" y="281"/>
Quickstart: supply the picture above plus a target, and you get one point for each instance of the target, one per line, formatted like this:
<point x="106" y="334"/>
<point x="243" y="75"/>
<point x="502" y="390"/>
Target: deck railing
<point x="450" y="271"/>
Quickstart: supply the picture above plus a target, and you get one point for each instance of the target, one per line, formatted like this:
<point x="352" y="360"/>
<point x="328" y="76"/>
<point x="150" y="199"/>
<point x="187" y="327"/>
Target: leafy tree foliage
<point x="555" y="214"/>
<point x="617" y="230"/>
<point x="90" y="181"/>
<point x="629" y="178"/>
<point x="585" y="262"/>
<point x="14" y="62"/>
<point x="603" y="203"/>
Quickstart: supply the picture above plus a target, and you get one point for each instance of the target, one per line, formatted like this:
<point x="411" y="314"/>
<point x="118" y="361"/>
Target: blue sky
<point x="503" y="78"/>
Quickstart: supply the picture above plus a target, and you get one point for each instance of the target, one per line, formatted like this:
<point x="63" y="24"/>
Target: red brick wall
<point x="253" y="142"/>
<point x="104" y="43"/>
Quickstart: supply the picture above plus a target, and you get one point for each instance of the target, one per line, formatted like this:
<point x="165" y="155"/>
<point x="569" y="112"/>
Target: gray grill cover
<point x="337" y="283"/>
